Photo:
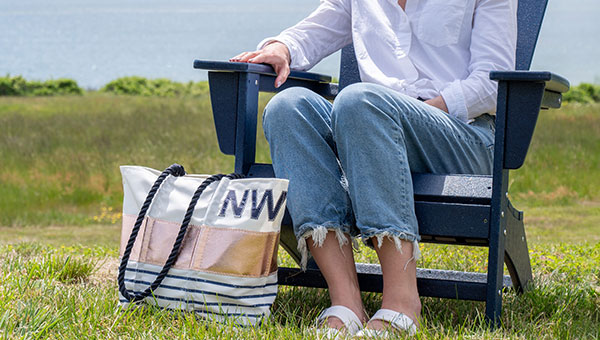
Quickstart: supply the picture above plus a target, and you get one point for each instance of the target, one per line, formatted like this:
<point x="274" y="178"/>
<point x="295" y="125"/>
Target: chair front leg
<point x="246" y="112"/>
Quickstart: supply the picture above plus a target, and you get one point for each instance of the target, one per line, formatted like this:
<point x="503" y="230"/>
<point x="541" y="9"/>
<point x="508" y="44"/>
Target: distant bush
<point x="139" y="86"/>
<point x="18" y="86"/>
<point x="583" y="93"/>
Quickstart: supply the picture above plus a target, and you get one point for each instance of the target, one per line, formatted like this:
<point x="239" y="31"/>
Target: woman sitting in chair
<point x="425" y="105"/>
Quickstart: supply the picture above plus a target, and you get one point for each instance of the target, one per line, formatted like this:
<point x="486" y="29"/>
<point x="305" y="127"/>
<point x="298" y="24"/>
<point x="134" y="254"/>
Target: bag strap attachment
<point x="175" y="170"/>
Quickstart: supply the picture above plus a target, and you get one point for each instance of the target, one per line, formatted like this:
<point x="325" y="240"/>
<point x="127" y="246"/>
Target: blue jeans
<point x="349" y="163"/>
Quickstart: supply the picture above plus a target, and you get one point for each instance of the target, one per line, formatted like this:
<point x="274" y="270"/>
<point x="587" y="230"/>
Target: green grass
<point x="67" y="299"/>
<point x="568" y="223"/>
<point x="60" y="155"/>
<point x="94" y="235"/>
<point x="60" y="198"/>
<point x="563" y="163"/>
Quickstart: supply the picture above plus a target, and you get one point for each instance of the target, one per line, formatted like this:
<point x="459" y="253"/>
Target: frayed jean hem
<point x="318" y="233"/>
<point x="395" y="236"/>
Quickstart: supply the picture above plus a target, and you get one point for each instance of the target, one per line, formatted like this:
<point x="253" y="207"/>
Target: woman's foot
<point x="337" y="323"/>
<point x="398" y="264"/>
<point x="336" y="262"/>
<point x="393" y="322"/>
<point x="338" y="320"/>
<point x="411" y="310"/>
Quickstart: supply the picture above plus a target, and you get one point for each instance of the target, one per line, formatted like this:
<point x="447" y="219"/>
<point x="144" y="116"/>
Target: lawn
<point x="60" y="196"/>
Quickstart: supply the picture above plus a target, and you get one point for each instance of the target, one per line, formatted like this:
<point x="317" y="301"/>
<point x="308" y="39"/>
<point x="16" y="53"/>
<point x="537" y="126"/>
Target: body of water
<point x="95" y="41"/>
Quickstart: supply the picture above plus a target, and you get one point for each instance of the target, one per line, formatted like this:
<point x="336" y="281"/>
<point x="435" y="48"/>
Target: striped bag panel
<point x="245" y="301"/>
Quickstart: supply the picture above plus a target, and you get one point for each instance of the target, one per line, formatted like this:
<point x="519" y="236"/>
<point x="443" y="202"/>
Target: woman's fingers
<point x="260" y="58"/>
<point x="275" y="54"/>
<point x="280" y="65"/>
<point x="237" y="57"/>
<point x="249" y="55"/>
<point x="244" y="56"/>
<point x="282" y="74"/>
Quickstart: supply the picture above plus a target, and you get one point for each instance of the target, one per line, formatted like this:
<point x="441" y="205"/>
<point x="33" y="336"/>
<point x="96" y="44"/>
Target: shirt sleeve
<point x="493" y="47"/>
<point x="323" y="32"/>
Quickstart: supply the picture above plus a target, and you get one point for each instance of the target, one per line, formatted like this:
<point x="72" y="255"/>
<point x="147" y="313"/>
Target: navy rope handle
<point x="175" y="170"/>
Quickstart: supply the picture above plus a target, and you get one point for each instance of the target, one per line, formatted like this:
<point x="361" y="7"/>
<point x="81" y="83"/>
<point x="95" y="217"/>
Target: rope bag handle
<point x="177" y="171"/>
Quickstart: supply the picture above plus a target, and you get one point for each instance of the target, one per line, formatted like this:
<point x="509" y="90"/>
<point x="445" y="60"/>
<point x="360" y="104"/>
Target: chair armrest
<point x="521" y="95"/>
<point x="554" y="84"/>
<point x="319" y="83"/>
<point x="553" y="81"/>
<point x="227" y="66"/>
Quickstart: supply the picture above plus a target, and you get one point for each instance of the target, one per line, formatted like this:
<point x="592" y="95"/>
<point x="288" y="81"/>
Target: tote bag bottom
<point x="241" y="300"/>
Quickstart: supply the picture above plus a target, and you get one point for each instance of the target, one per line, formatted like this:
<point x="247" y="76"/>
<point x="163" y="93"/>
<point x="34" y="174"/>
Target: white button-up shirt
<point x="432" y="48"/>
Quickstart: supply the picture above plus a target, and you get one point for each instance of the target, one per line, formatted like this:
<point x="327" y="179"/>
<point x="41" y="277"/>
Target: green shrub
<point x="133" y="86"/>
<point x="12" y="86"/>
<point x="18" y="86"/>
<point x="58" y="87"/>
<point x="139" y="86"/>
<point x="583" y="93"/>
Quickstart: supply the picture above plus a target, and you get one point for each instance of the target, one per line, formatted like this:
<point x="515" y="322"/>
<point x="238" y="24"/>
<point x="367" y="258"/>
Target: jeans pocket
<point x="441" y="21"/>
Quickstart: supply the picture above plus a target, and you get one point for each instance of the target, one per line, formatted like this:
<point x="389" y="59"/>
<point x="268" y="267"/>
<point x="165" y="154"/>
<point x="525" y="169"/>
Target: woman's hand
<point x="275" y="54"/>
<point x="438" y="102"/>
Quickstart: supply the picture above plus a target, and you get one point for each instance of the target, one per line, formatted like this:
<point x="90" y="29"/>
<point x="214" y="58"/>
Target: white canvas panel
<point x="219" y="204"/>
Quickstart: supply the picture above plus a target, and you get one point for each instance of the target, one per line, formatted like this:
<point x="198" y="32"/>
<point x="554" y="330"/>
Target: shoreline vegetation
<point x="61" y="199"/>
<point x="584" y="93"/>
<point x="132" y="86"/>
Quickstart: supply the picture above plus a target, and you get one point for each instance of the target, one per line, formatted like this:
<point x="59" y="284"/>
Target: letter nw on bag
<point x="257" y="205"/>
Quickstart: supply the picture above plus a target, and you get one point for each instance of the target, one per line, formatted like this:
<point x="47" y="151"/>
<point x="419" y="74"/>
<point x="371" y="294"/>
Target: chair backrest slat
<point x="530" y="14"/>
<point x="348" y="67"/>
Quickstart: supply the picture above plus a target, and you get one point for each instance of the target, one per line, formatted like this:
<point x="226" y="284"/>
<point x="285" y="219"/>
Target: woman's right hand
<point x="275" y="54"/>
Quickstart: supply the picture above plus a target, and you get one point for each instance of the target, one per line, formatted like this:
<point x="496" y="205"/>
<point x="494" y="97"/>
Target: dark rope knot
<point x="176" y="170"/>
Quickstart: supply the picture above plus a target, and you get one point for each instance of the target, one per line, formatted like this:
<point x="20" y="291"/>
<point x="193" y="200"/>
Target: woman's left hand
<point x="438" y="102"/>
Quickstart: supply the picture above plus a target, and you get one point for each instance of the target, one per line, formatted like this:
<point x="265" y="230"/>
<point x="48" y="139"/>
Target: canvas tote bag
<point x="200" y="243"/>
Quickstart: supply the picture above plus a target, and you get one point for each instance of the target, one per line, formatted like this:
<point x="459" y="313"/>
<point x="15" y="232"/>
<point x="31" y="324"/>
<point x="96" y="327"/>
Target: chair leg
<point x="495" y="275"/>
<point x="516" y="254"/>
<point x="493" y="301"/>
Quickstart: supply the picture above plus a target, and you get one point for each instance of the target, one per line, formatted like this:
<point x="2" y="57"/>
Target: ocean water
<point x="95" y="41"/>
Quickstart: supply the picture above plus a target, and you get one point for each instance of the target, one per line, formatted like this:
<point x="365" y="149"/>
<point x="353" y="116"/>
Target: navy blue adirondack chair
<point x="451" y="209"/>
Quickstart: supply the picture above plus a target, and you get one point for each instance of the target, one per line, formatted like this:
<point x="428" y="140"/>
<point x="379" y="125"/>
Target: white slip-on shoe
<point x="351" y="321"/>
<point x="398" y="321"/>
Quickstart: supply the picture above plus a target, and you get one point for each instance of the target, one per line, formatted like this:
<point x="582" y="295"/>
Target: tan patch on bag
<point x="236" y="252"/>
<point x="127" y="226"/>
<point x="161" y="238"/>
<point x="216" y="250"/>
